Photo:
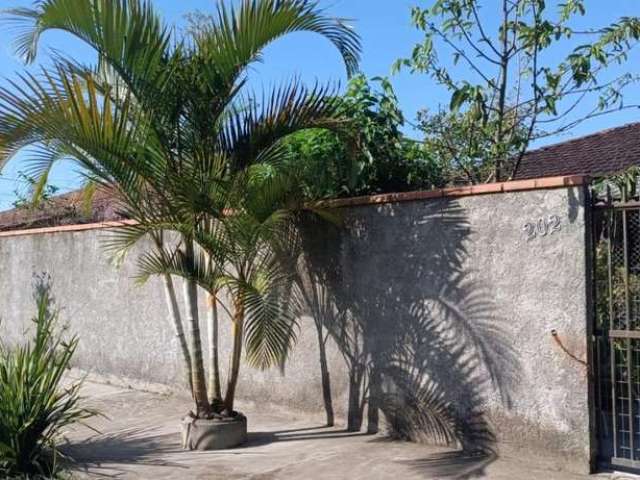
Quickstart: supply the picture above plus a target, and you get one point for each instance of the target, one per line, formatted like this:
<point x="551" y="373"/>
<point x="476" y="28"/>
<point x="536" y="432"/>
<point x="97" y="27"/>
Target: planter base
<point x="215" y="434"/>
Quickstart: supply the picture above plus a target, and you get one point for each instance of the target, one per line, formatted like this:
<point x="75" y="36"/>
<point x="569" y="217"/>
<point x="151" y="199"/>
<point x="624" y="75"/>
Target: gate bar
<point x="625" y="334"/>
<point x="612" y="351"/>
<point x="627" y="307"/>
<point x="618" y="206"/>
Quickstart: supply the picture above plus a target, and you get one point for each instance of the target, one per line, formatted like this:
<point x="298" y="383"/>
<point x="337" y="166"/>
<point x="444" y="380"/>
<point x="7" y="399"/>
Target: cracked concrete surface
<point x="139" y="439"/>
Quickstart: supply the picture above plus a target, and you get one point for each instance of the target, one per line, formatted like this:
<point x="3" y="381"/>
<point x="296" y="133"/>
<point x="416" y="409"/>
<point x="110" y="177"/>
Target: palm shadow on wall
<point x="421" y="337"/>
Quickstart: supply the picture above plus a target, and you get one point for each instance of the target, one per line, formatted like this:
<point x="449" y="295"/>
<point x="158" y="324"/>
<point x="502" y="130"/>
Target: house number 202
<point x="542" y="227"/>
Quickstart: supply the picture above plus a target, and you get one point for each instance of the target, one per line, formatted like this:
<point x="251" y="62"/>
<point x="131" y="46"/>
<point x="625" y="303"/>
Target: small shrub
<point x="34" y="404"/>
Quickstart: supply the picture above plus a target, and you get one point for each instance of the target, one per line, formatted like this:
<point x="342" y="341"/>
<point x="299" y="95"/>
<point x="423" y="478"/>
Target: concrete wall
<point x="441" y="309"/>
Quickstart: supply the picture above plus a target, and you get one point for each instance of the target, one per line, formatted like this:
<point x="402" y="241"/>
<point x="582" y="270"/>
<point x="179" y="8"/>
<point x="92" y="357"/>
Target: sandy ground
<point x="139" y="439"/>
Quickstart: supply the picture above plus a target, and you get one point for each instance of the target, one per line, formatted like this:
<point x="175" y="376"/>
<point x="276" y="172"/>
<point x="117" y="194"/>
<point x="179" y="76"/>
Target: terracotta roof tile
<point x="63" y="209"/>
<point x="601" y="153"/>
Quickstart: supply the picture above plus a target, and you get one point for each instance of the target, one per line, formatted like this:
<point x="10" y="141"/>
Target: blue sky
<point x="386" y="34"/>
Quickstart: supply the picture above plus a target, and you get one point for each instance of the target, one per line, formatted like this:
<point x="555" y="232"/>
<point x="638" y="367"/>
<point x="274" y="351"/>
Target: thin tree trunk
<point x="324" y="375"/>
<point x="176" y="323"/>
<point x="502" y="93"/>
<point x="236" y="354"/>
<point x="203" y="408"/>
<point x="214" y="367"/>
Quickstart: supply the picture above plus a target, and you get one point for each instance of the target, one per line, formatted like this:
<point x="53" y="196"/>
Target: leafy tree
<point x="167" y="124"/>
<point x="454" y="138"/>
<point x="317" y="157"/>
<point x="511" y="94"/>
<point x="381" y="158"/>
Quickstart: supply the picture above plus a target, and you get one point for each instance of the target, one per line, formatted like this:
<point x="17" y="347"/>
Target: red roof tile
<point x="601" y="153"/>
<point x="63" y="209"/>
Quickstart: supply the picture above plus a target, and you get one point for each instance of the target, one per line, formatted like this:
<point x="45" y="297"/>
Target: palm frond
<point x="41" y="161"/>
<point x="237" y="36"/>
<point x="271" y="327"/>
<point x="65" y="112"/>
<point x="126" y="34"/>
<point x="250" y="131"/>
<point x="172" y="261"/>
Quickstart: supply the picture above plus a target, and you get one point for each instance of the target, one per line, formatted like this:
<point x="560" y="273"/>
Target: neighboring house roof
<point x="63" y="209"/>
<point x="605" y="152"/>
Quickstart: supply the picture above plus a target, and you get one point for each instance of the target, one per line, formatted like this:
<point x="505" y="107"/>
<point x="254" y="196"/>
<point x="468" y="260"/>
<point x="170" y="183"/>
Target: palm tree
<point x="238" y="257"/>
<point x="166" y="123"/>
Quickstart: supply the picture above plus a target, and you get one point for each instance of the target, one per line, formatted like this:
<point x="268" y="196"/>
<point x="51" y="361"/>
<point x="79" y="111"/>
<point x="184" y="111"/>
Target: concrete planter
<point x="214" y="434"/>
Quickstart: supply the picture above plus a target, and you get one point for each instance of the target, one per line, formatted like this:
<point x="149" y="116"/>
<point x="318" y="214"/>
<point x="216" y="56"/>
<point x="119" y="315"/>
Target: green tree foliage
<point x="506" y="93"/>
<point x="372" y="156"/>
<point x="35" y="402"/>
<point x="454" y="138"/>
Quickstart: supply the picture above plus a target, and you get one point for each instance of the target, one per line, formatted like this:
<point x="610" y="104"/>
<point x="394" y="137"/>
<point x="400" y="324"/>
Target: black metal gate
<point x="616" y="227"/>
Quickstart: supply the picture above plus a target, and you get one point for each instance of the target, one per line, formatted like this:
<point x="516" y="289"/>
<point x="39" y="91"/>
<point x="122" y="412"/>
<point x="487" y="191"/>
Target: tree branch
<point x="483" y="35"/>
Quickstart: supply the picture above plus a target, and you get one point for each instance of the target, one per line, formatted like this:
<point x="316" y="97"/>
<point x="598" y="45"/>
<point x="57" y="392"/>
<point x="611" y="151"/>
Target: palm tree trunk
<point x="176" y="322"/>
<point x="324" y="375"/>
<point x="237" y="329"/>
<point x="214" y="367"/>
<point x="354" y="412"/>
<point x="191" y="307"/>
<point x="175" y="317"/>
<point x="375" y="394"/>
